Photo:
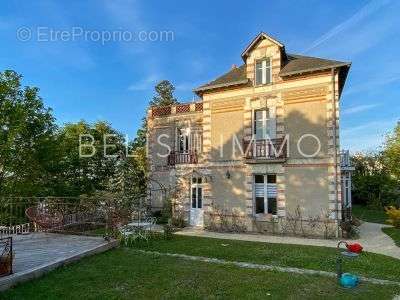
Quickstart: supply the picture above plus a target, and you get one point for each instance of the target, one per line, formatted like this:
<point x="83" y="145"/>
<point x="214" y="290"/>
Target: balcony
<point x="170" y="110"/>
<point x="345" y="162"/>
<point x="265" y="150"/>
<point x="178" y="158"/>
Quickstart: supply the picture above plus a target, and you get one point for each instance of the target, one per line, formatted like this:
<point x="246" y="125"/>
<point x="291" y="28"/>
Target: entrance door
<point x="196" y="205"/>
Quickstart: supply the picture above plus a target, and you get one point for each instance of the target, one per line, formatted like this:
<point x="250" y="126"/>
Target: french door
<point x="264" y="124"/>
<point x="183" y="140"/>
<point x="196" y="202"/>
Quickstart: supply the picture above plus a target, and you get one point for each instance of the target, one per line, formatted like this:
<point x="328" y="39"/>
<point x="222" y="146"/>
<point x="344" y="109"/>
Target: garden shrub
<point x="178" y="221"/>
<point x="168" y="231"/>
<point x="166" y="212"/>
<point x="161" y="217"/>
<point x="223" y="220"/>
<point x="349" y="230"/>
<point x="394" y="216"/>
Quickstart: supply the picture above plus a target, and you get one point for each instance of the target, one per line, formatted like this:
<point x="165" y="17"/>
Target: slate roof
<point x="299" y="64"/>
<point x="295" y="64"/>
<point x="235" y="76"/>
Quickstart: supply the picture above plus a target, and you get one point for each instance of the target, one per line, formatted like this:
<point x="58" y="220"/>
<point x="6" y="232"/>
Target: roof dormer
<point x="263" y="59"/>
<point x="267" y="57"/>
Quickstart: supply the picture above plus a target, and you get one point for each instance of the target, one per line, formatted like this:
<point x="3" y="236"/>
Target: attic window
<point x="263" y="71"/>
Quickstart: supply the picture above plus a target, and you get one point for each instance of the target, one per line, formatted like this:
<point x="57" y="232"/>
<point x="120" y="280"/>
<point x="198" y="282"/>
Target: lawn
<point x="127" y="274"/>
<point x="367" y="214"/>
<point x="307" y="257"/>
<point x="394" y="233"/>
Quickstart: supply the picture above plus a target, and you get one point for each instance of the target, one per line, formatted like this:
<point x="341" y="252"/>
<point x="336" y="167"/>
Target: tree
<point x="164" y="96"/>
<point x="26" y="137"/>
<point x="76" y="174"/>
<point x="391" y="153"/>
<point x="372" y="184"/>
<point x="37" y="158"/>
<point x="128" y="182"/>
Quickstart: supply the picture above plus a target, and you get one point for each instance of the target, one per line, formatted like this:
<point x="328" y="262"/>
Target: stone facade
<point x="300" y="107"/>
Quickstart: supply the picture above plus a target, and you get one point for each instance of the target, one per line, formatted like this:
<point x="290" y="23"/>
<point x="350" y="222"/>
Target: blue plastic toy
<point x="348" y="280"/>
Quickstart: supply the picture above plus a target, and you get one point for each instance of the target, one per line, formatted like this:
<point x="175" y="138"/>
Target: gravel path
<point x="371" y="238"/>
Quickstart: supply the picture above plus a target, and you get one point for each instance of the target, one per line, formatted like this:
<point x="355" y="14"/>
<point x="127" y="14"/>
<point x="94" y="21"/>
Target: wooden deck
<point x="38" y="253"/>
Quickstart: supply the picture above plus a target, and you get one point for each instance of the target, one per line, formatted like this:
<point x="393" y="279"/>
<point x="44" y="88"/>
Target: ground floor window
<point x="265" y="194"/>
<point x="346" y="189"/>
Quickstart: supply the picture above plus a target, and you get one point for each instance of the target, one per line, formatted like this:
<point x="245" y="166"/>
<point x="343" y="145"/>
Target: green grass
<point x="394" y="233"/>
<point x="98" y="231"/>
<point x="367" y="214"/>
<point x="308" y="257"/>
<point x="127" y="274"/>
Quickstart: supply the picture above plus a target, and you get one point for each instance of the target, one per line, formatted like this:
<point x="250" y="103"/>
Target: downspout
<point x="335" y="150"/>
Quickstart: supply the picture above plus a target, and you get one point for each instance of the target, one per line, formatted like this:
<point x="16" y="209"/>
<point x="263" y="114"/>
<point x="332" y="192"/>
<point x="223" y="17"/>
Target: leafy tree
<point x="78" y="174"/>
<point x="372" y="184"/>
<point x="391" y="153"/>
<point x="39" y="159"/>
<point x="26" y="137"/>
<point x="115" y="174"/>
<point x="164" y="96"/>
<point x="128" y="182"/>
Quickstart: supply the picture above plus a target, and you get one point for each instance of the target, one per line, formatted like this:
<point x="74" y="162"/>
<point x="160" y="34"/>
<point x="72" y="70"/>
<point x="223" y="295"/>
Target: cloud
<point x="374" y="125"/>
<point x="373" y="83"/>
<point x="366" y="137"/>
<point x="366" y="11"/>
<point x="144" y="84"/>
<point x="359" y="108"/>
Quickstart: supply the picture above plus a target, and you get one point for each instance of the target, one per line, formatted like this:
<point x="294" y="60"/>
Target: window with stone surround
<point x="264" y="124"/>
<point x="265" y="194"/>
<point x="263" y="71"/>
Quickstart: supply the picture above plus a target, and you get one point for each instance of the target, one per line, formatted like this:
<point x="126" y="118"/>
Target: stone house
<point x="260" y="149"/>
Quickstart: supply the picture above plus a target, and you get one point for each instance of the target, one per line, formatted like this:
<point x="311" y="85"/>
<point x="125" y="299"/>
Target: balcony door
<point x="183" y="140"/>
<point x="264" y="124"/>
<point x="196" y="202"/>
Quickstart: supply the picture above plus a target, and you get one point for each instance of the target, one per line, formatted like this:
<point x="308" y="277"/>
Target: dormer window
<point x="263" y="71"/>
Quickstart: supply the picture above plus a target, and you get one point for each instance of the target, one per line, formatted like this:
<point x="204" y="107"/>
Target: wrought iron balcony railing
<point x="265" y="149"/>
<point x="345" y="158"/>
<point x="345" y="161"/>
<point x="175" y="158"/>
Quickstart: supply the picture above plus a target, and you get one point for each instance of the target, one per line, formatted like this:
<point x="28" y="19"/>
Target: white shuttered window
<point x="265" y="194"/>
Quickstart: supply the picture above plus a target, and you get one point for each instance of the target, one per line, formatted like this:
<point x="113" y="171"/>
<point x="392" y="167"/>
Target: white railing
<point x="345" y="158"/>
<point x="16" y="229"/>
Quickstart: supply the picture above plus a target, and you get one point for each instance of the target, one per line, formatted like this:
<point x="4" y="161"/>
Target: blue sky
<point x="84" y="79"/>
